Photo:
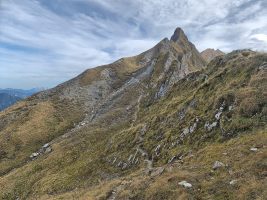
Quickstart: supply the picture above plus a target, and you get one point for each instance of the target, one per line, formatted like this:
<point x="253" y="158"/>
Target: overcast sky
<point x="46" y="42"/>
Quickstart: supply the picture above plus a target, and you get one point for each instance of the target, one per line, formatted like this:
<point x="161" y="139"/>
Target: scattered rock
<point x="181" y="114"/>
<point x="233" y="182"/>
<point x="231" y="108"/>
<point x="130" y="158"/>
<point x="83" y="123"/>
<point x="157" y="171"/>
<point x="128" y="108"/>
<point x="263" y="66"/>
<point x="46" y="145"/>
<point x="186" y="131"/>
<point x="162" y="91"/>
<point x="143" y="130"/>
<point x="157" y="150"/>
<point x="124" y="166"/>
<point x="149" y="164"/>
<point x="115" y="158"/>
<point x="185" y="184"/>
<point x="218" y="165"/>
<point x="230" y="171"/>
<point x="222" y="106"/>
<point x="193" y="103"/>
<point x="34" y="155"/>
<point x="193" y="127"/>
<point x="119" y="164"/>
<point x="253" y="149"/>
<point x="172" y="159"/>
<point x="189" y="129"/>
<point x="218" y="115"/>
<point x="209" y="127"/>
<point x="48" y="150"/>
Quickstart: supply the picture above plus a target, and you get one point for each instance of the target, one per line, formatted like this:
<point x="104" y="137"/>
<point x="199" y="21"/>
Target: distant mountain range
<point x="10" y="96"/>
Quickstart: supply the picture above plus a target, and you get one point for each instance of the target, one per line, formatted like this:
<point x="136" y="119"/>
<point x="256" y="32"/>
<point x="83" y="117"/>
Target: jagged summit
<point x="179" y="35"/>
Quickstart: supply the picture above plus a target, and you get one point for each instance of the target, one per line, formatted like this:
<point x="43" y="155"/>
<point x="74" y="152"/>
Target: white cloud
<point x="261" y="37"/>
<point x="57" y="41"/>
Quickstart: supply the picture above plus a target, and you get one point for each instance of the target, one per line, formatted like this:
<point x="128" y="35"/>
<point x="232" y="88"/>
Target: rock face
<point x="209" y="54"/>
<point x="159" y="68"/>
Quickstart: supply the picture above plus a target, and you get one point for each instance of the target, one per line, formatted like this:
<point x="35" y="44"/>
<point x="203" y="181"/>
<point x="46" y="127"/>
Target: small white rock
<point x="218" y="115"/>
<point x="253" y="149"/>
<point x="46" y="145"/>
<point x="185" y="184"/>
<point x="233" y="182"/>
<point x="34" y="155"/>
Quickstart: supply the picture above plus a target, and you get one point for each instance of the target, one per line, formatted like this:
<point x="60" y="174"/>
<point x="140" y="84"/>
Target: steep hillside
<point x="209" y="54"/>
<point x="160" y="125"/>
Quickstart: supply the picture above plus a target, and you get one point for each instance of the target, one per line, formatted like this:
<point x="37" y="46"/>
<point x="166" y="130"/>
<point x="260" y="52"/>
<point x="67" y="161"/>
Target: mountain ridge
<point x="209" y="54"/>
<point x="159" y="125"/>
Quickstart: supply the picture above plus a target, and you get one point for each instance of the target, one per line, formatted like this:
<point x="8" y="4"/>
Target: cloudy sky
<point x="46" y="42"/>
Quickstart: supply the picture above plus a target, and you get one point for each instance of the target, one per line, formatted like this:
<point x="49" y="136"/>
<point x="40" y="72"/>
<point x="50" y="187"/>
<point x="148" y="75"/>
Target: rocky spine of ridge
<point x="96" y="94"/>
<point x="163" y="65"/>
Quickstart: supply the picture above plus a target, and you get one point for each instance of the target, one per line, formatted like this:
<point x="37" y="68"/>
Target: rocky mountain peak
<point x="179" y="35"/>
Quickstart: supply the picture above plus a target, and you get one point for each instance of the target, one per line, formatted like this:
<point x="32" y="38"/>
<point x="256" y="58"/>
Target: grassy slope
<point x="39" y="123"/>
<point x="79" y="161"/>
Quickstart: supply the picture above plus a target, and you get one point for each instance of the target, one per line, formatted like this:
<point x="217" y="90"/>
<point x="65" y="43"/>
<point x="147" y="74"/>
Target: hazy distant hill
<point x="7" y="100"/>
<point x="9" y="96"/>
<point x="19" y="92"/>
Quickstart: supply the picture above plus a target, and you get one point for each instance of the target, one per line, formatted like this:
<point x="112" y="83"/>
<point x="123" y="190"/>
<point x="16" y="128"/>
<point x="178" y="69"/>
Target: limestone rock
<point x="253" y="149"/>
<point x="185" y="184"/>
<point x="233" y="182"/>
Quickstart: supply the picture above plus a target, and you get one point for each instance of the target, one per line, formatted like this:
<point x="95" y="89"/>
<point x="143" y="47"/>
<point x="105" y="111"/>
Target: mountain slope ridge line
<point x="141" y="127"/>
